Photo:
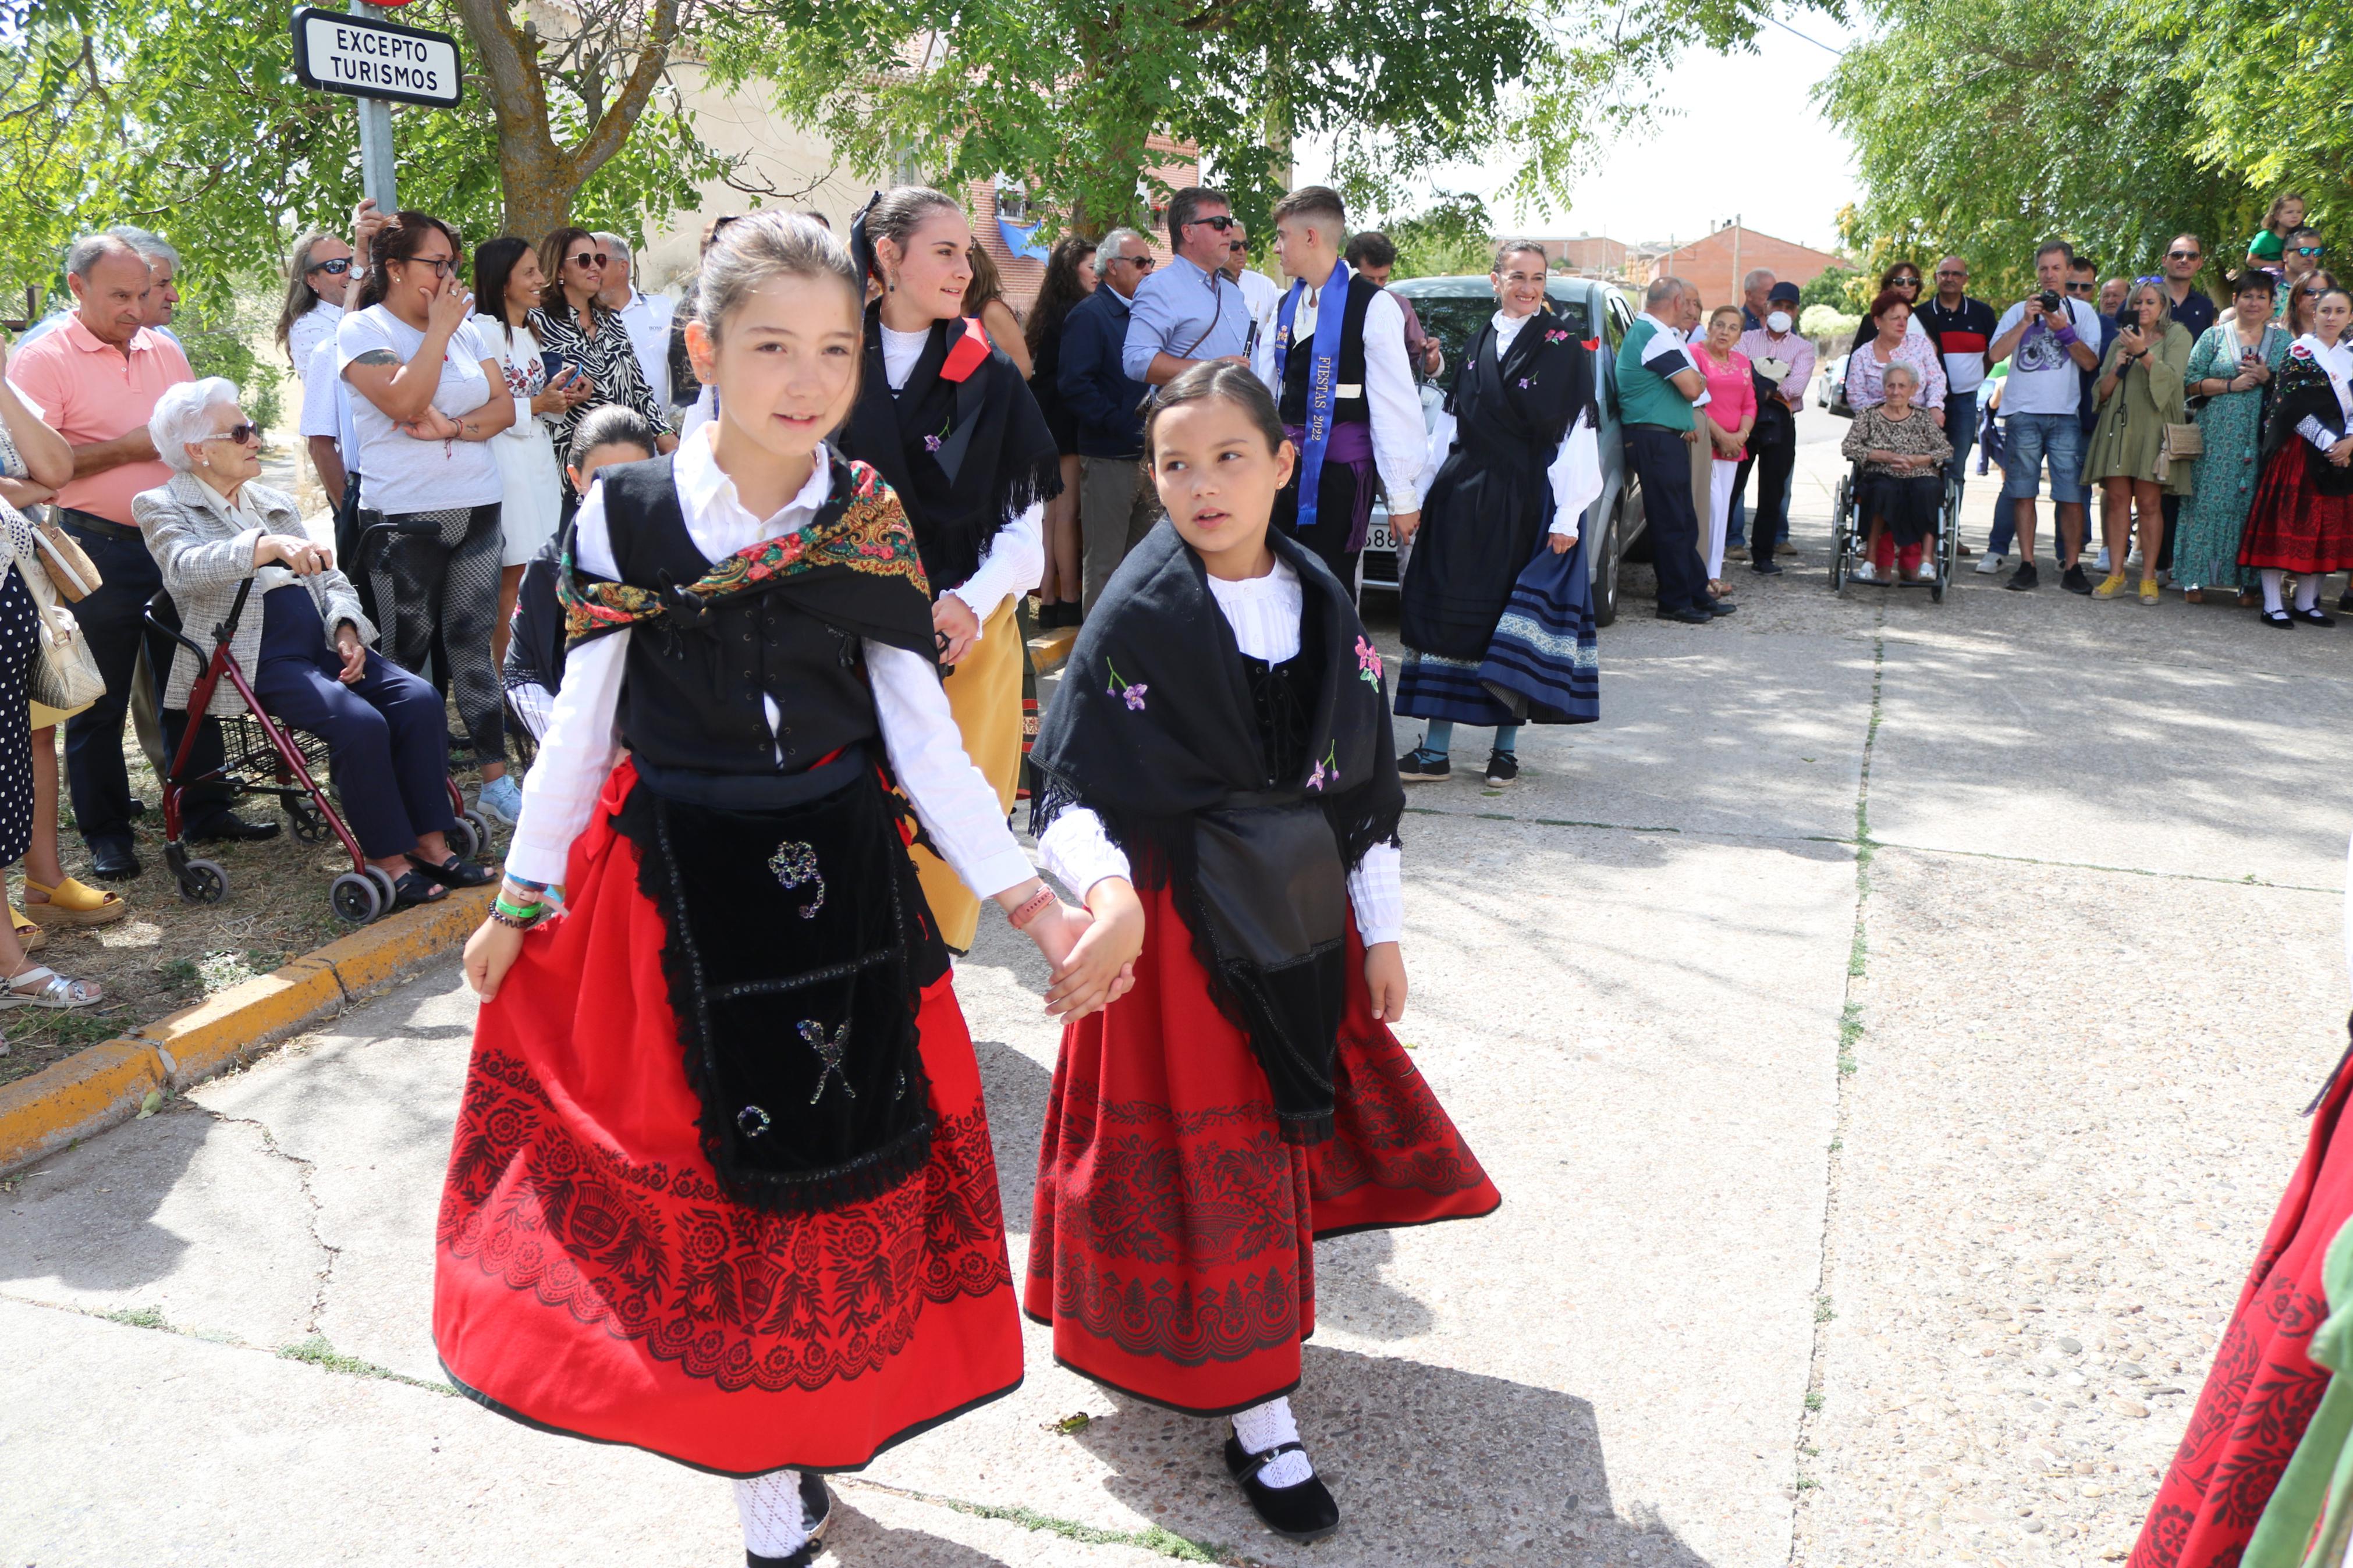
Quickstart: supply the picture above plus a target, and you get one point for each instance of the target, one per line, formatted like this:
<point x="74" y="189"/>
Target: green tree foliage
<point x="1451" y="237"/>
<point x="1067" y="92"/>
<point x="1984" y="126"/>
<point x="185" y="116"/>
<point x="1834" y="287"/>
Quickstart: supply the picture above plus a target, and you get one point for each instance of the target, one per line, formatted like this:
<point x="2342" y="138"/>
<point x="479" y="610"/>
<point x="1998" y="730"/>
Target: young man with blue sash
<point x="1337" y="364"/>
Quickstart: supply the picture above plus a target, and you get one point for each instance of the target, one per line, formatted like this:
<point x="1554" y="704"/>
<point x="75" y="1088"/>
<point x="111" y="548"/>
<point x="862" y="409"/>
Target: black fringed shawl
<point x="2303" y="389"/>
<point x="1156" y="727"/>
<point x="963" y="443"/>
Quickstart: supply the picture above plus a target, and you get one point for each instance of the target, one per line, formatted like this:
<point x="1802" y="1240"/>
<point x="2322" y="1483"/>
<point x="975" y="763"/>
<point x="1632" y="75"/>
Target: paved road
<point x="1887" y="1030"/>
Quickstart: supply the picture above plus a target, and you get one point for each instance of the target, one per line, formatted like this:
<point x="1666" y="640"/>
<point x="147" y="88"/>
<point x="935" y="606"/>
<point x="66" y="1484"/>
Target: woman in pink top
<point x="1727" y="416"/>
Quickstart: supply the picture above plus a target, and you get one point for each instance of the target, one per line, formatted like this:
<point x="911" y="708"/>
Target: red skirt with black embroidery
<point x="2260" y="1396"/>
<point x="1172" y="1250"/>
<point x="591" y="1277"/>
<point x="2291" y="526"/>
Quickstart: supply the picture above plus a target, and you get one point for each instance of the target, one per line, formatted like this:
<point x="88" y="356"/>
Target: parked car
<point x="1452" y="310"/>
<point x="1828" y="379"/>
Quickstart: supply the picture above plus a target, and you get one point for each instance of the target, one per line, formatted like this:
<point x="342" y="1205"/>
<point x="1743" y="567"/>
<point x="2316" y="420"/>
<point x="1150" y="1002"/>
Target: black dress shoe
<point x="110" y="860"/>
<point x="1690" y="614"/>
<point x="1303" y="1512"/>
<point x="230" y="828"/>
<point x="1722" y="608"/>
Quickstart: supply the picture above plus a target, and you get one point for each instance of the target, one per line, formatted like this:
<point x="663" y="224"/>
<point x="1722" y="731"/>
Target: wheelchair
<point x="1850" y="536"/>
<point x="263" y="757"/>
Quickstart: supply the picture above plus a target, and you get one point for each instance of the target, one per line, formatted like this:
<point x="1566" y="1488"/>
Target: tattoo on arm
<point x="377" y="356"/>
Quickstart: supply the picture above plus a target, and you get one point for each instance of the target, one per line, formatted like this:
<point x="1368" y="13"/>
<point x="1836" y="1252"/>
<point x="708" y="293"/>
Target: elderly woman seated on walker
<point x="304" y="646"/>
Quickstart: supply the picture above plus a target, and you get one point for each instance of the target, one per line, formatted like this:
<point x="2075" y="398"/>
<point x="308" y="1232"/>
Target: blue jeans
<point x="2030" y="440"/>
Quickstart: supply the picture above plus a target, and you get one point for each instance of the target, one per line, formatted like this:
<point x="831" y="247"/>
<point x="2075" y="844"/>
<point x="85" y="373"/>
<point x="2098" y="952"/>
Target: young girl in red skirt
<point x="2302" y="518"/>
<point x="721" y="1185"/>
<point x="1222" y="735"/>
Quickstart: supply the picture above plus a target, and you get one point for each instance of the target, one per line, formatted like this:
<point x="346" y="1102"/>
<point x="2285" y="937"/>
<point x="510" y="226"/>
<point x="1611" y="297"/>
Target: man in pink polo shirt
<point x="95" y="380"/>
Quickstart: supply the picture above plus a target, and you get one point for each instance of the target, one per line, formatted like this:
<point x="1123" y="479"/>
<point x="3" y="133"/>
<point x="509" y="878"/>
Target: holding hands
<point x="1093" y="950"/>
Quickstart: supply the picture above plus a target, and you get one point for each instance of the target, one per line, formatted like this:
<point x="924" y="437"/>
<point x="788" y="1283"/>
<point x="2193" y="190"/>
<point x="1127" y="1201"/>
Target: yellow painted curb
<point x="1048" y="649"/>
<point x="69" y="1099"/>
<point x="94" y="1088"/>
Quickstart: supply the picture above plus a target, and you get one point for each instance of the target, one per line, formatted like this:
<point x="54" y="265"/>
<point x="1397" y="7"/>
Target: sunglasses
<point x="2308" y="250"/>
<point x="1220" y="224"/>
<point x="2081" y="288"/>
<point x="338" y="266"/>
<point x="1237" y="247"/>
<point x="589" y="258"/>
<point x="243" y="435"/>
<point x="2184" y="255"/>
<point x="1905" y="283"/>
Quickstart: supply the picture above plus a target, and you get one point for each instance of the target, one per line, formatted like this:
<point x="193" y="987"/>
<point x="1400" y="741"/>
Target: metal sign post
<point x="359" y="54"/>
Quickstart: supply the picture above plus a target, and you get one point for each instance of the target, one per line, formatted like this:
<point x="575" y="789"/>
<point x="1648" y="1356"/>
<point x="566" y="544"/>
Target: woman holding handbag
<point x="2140" y="394"/>
<point x="41" y="654"/>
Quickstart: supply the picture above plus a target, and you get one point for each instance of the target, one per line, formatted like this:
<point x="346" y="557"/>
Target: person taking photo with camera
<point x="2050" y="339"/>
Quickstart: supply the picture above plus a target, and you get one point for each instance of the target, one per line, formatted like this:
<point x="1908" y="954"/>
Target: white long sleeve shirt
<point x="951" y="798"/>
<point x="1400" y="441"/>
<point x="1264" y="613"/>
<point x="1015" y="561"/>
<point x="1575" y="474"/>
<point x="2338" y="363"/>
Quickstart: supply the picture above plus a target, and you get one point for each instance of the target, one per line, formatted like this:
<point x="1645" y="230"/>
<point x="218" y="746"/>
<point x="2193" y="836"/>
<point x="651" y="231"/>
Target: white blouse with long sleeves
<point x="954" y="801"/>
<point x="1015" y="561"/>
<point x="1264" y="613"/>
<point x="1400" y="441"/>
<point x="2337" y="364"/>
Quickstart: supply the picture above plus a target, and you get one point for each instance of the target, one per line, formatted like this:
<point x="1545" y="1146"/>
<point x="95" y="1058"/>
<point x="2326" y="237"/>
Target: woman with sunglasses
<point x="1902" y="278"/>
<point x="2302" y="299"/>
<point x="573" y="329"/>
<point x="427" y="399"/>
<point x="302" y="640"/>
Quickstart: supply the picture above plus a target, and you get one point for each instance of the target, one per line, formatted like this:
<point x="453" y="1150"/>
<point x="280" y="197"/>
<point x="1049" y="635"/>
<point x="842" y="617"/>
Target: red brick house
<point x="1715" y="264"/>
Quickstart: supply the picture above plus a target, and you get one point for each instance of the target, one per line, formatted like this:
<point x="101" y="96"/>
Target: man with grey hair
<point x="1116" y="507"/>
<point x="163" y="295"/>
<point x="1755" y="294"/>
<point x="1659" y="384"/>
<point x="95" y="380"/>
<point x="647" y="317"/>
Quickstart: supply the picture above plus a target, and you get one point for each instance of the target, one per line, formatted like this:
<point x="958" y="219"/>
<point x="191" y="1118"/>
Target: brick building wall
<point x="1716" y="265"/>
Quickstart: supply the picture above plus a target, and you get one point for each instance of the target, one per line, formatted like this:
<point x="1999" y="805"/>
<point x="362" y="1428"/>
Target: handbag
<point x="65" y="673"/>
<point x="70" y="570"/>
<point x="2179" y="443"/>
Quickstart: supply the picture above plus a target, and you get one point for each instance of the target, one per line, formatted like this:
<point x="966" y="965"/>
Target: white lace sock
<point x="770" y="1506"/>
<point x="2271" y="577"/>
<point x="2307" y="591"/>
<point x="1260" y="1427"/>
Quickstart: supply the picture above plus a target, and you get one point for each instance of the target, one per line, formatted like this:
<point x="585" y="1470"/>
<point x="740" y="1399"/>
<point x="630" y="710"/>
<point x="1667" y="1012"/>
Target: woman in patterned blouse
<point x="574" y="328"/>
<point x="1903" y="452"/>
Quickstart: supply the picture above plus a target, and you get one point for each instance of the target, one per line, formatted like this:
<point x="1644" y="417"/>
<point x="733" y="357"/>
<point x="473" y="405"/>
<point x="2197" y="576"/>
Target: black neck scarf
<point x="963" y="443"/>
<point x="1155" y="728"/>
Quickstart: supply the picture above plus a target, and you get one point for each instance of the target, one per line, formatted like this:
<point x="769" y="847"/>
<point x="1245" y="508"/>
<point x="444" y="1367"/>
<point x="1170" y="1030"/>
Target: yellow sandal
<point x="29" y="937"/>
<point x="72" y="903"/>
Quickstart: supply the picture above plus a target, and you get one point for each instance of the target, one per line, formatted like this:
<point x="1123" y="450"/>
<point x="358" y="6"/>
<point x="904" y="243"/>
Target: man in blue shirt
<point x="1189" y="311"/>
<point x="1116" y="508"/>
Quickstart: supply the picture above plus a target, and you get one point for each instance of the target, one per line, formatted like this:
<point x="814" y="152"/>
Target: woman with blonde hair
<point x="2140" y="393"/>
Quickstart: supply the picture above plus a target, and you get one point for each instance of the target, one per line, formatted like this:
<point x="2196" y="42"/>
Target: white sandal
<point x="50" y="989"/>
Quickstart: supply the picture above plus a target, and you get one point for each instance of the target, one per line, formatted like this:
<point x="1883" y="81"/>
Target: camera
<point x="2050" y="301"/>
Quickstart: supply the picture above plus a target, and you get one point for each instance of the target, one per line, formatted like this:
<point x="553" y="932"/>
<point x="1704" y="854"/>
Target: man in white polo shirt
<point x="646" y="316"/>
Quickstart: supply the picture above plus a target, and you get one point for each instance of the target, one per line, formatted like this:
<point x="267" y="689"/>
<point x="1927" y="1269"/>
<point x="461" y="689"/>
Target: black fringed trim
<point x="1018" y="489"/>
<point x="863" y="1178"/>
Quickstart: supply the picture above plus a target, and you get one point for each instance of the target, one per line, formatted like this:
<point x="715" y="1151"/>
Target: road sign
<point x="338" y="51"/>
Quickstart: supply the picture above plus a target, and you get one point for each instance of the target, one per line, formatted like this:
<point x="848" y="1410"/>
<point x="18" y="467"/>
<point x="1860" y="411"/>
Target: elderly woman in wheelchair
<point x="306" y="654"/>
<point x="1899" y="485"/>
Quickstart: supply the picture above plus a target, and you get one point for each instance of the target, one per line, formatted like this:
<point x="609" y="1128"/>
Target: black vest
<point x="690" y="693"/>
<point x="1298" y="363"/>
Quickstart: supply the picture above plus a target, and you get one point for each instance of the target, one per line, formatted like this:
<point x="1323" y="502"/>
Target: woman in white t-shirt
<point x="423" y="409"/>
<point x="508" y="283"/>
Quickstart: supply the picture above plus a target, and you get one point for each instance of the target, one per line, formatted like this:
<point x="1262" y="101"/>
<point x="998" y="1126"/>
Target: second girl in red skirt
<point x="2302" y="518"/>
<point x="1222" y="737"/>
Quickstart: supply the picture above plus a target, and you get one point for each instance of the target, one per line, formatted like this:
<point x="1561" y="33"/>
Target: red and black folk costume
<point x="947" y="421"/>
<point x="2301" y="520"/>
<point x="1229" y="741"/>
<point x="721" y="1185"/>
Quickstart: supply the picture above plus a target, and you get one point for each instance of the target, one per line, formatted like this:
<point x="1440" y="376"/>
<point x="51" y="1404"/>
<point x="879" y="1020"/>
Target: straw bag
<point x="65" y="674"/>
<point x="2181" y="442"/>
<point x="70" y="570"/>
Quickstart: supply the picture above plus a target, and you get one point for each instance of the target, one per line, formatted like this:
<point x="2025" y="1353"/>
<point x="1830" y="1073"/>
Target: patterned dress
<point x="2206" y="544"/>
<point x="609" y="360"/>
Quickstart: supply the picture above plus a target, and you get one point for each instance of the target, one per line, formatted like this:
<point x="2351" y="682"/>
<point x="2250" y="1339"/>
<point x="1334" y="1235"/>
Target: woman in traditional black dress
<point x="948" y="421"/>
<point x="1221" y="736"/>
<point x="2302" y="518"/>
<point x="1498" y="629"/>
<point x="722" y="1187"/>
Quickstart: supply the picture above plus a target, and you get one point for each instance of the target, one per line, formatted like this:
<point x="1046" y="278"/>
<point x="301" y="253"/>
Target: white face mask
<point x="1778" y="322"/>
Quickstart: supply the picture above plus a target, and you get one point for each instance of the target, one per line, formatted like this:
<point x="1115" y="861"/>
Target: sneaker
<point x="1422" y="766"/>
<point x="2074" y="582"/>
<point x="1864" y="573"/>
<point x="1767" y="568"/>
<point x="2102" y="563"/>
<point x="1503" y="768"/>
<point x="1990" y="566"/>
<point x="2111" y="585"/>
<point x="2024" y="579"/>
<point x="1735" y="553"/>
<point x="1924" y="572"/>
<point x="501" y="800"/>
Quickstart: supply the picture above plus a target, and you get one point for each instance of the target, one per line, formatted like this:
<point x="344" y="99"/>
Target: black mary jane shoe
<point x="1303" y="1512"/>
<point x="2314" y="616"/>
<point x="411" y="889"/>
<point x="453" y="872"/>
<point x="2279" y="619"/>
<point x="817" y="1512"/>
<point x="803" y="1558"/>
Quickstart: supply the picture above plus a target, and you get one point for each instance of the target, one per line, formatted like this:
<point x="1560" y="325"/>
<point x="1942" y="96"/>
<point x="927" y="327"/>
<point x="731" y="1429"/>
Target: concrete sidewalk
<point x="1886" y="1029"/>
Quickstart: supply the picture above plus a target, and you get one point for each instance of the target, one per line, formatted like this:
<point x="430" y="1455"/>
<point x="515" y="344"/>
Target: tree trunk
<point x="539" y="176"/>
